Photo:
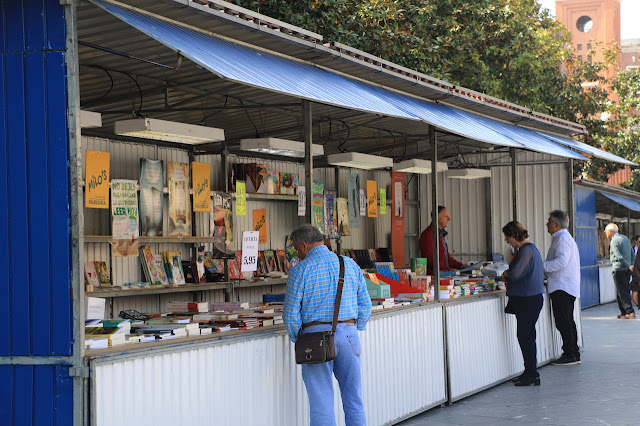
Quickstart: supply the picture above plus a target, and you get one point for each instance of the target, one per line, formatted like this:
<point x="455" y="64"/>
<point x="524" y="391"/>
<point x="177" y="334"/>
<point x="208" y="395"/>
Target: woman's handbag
<point x="314" y="348"/>
<point x="509" y="308"/>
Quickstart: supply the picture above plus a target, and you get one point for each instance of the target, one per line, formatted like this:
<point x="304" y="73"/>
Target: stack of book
<point x="188" y="306"/>
<point x="115" y="335"/>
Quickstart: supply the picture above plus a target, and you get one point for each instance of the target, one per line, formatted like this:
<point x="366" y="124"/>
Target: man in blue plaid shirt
<point x="308" y="308"/>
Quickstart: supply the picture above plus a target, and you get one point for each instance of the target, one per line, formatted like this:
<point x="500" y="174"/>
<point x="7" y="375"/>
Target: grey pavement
<point x="603" y="390"/>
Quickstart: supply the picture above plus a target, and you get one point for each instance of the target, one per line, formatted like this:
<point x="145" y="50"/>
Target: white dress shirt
<point x="562" y="266"/>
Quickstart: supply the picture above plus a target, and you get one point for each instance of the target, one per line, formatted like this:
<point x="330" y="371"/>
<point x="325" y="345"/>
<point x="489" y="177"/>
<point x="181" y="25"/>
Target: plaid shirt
<point x="311" y="292"/>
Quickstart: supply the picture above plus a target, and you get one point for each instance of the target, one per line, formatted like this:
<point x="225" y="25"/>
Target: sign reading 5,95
<point x="249" y="251"/>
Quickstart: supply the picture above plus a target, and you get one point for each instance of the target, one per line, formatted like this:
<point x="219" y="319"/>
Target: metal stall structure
<point x="596" y="205"/>
<point x="213" y="63"/>
<point x="39" y="354"/>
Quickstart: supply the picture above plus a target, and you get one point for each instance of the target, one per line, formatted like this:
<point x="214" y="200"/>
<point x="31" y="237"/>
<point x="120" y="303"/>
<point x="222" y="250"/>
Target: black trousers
<point x="562" y="304"/>
<point x="527" y="310"/>
<point x="621" y="279"/>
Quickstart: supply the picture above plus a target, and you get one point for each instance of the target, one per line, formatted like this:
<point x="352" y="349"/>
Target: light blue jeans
<point x="346" y="367"/>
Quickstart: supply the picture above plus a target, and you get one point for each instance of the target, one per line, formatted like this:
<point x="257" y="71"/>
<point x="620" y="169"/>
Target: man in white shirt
<point x="562" y="269"/>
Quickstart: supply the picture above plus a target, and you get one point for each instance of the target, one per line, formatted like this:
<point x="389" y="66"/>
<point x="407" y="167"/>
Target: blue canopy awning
<point x="526" y="137"/>
<point x="278" y="73"/>
<point x="623" y="201"/>
<point x="583" y="147"/>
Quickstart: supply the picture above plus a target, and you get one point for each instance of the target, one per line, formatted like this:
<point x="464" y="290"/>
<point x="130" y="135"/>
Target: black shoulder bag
<point x="314" y="348"/>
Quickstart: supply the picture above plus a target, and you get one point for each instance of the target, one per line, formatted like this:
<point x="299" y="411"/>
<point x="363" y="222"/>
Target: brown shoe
<point x="621" y="316"/>
<point x="630" y="316"/>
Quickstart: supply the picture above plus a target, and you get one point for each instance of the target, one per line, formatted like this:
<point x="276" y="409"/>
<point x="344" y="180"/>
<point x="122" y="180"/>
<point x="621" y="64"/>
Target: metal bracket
<point x="82" y="372"/>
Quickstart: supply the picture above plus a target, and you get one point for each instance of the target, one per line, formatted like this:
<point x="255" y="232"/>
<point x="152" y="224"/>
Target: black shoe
<point x="517" y="379"/>
<point x="528" y="381"/>
<point x="565" y="360"/>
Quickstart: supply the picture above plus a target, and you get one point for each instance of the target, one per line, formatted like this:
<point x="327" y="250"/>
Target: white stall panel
<point x="608" y="292"/>
<point x="256" y="381"/>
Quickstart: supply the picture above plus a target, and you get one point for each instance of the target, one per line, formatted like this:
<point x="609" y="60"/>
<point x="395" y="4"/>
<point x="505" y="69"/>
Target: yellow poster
<point x="96" y="180"/>
<point x="260" y="224"/>
<point x="372" y="198"/>
<point x="200" y="185"/>
<point x="383" y="201"/>
<point x="241" y="198"/>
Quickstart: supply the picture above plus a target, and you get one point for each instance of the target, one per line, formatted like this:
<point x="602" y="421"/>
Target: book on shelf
<point x="234" y="270"/>
<point x="262" y="176"/>
<point x="173" y="266"/>
<point x="283" y="262"/>
<point x="273" y="183"/>
<point x="189" y="276"/>
<point x="289" y="183"/>
<point x="103" y="272"/>
<point x="90" y="274"/>
<point x="250" y="177"/>
<point x="154" y="271"/>
<point x="270" y="261"/>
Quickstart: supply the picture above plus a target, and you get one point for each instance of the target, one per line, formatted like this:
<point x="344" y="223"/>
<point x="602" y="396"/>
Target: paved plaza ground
<point x="603" y="390"/>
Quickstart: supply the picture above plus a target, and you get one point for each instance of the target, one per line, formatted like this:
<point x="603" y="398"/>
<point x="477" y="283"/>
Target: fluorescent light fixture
<point x="276" y="146"/>
<point x="171" y="131"/>
<point x="469" y="173"/>
<point x="359" y="161"/>
<point x="416" y="165"/>
<point x="90" y="119"/>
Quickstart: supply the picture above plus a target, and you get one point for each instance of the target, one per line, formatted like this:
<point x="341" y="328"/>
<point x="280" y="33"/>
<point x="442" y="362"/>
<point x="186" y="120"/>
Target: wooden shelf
<point x="268" y="197"/>
<point x="258" y="283"/>
<point x="159" y="290"/>
<point x="150" y="240"/>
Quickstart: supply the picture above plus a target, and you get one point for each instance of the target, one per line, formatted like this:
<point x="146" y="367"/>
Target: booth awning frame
<point x="274" y="72"/>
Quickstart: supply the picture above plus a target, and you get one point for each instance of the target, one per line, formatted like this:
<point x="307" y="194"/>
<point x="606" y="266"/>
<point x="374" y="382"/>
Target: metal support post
<point x="434" y="213"/>
<point x="308" y="157"/>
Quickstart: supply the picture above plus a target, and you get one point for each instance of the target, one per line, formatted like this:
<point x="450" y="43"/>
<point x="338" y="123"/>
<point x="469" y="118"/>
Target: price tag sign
<point x="302" y="201"/>
<point x="249" y="251"/>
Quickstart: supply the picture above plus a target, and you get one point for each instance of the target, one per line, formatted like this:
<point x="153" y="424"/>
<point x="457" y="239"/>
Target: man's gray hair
<point x="612" y="227"/>
<point x="560" y="217"/>
<point x="306" y="233"/>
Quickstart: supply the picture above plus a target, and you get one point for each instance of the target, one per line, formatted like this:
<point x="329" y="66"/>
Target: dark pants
<point x="621" y="278"/>
<point x="562" y="304"/>
<point x="527" y="312"/>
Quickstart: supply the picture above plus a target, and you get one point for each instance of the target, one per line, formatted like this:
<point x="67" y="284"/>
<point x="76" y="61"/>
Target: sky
<point x="630" y="12"/>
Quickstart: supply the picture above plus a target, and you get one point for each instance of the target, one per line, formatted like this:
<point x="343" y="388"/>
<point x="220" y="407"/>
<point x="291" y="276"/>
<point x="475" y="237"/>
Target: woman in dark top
<point x="525" y="285"/>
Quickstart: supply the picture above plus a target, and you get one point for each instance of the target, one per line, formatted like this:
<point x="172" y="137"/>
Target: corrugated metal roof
<point x="583" y="147"/>
<point x="259" y="68"/>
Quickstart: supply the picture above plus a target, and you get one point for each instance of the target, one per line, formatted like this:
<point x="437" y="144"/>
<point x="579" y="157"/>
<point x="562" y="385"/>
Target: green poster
<point x="383" y="201"/>
<point x="241" y="198"/>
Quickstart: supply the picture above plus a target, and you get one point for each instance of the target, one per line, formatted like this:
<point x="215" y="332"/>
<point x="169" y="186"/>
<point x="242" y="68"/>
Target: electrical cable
<point x="226" y="99"/>
<point x="106" y="93"/>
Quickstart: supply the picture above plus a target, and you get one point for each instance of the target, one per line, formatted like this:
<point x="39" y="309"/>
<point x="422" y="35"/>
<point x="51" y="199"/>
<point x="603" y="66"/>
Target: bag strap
<point x="336" y="308"/>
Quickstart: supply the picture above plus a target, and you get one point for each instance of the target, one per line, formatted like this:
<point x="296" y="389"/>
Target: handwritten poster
<point x="372" y="198"/>
<point x="363" y="202"/>
<point x="317" y="212"/>
<point x="383" y="201"/>
<point x="241" y="198"/>
<point x="124" y="211"/>
<point x="179" y="205"/>
<point x="343" y="217"/>
<point x="260" y="224"/>
<point x="96" y="179"/>
<point x="330" y="219"/>
<point x="397" y="218"/>
<point x="302" y="201"/>
<point x="353" y="196"/>
<point x="200" y="185"/>
<point x="151" y="197"/>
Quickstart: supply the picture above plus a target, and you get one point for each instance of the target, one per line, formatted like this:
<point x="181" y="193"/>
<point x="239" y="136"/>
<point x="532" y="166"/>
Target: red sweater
<point x="426" y="250"/>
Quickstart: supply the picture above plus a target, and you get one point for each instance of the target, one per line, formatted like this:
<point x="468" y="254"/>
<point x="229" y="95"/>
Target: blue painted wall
<point x="586" y="238"/>
<point x="35" y="250"/>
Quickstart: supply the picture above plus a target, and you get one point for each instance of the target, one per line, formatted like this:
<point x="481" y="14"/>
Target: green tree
<point x="509" y="49"/>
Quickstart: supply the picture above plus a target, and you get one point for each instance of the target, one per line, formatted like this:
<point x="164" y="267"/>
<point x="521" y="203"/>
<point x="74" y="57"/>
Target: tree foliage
<point x="509" y="49"/>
